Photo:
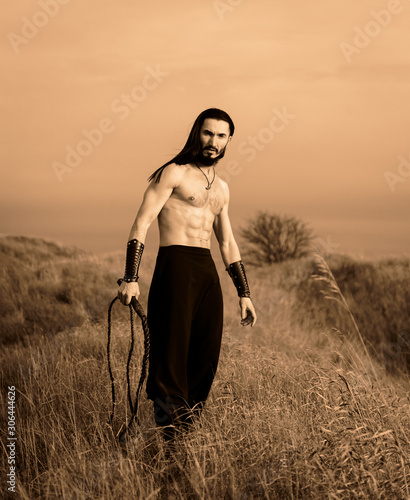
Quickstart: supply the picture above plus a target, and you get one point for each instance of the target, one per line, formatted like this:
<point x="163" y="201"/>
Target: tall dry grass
<point x="296" y="410"/>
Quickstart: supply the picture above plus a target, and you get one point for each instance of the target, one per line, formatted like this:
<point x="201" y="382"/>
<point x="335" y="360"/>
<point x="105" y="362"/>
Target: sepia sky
<point x="97" y="94"/>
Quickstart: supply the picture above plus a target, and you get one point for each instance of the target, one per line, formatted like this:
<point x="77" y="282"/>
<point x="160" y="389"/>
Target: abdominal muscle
<point x="183" y="224"/>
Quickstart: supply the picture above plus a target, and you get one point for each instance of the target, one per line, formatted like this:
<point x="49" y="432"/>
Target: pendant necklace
<point x="208" y="187"/>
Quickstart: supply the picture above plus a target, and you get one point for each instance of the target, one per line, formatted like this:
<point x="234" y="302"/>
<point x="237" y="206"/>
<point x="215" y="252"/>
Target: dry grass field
<point x="311" y="403"/>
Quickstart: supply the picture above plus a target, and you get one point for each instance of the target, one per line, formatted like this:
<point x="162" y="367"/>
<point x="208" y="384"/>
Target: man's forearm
<point x="135" y="248"/>
<point x="235" y="268"/>
<point x="139" y="230"/>
<point x="230" y="252"/>
<point x="137" y="234"/>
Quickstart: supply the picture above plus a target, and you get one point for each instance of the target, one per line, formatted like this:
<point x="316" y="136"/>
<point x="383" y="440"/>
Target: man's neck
<point x="206" y="168"/>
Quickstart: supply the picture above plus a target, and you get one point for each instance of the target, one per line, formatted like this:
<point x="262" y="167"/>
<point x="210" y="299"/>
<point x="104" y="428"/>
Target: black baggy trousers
<point x="185" y="318"/>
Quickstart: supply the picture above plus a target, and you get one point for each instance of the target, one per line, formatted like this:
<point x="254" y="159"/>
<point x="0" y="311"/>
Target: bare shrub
<point x="273" y="238"/>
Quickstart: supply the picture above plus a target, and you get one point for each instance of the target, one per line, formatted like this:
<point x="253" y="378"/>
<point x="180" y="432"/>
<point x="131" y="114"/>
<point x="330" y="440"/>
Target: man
<point x="185" y="300"/>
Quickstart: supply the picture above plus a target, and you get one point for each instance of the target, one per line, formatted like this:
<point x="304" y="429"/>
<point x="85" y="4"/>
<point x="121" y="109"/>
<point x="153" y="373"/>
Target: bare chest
<point x="193" y="192"/>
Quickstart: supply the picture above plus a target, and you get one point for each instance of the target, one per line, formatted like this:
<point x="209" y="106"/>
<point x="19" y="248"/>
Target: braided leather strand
<point x="145" y="358"/>
<point x="133" y="407"/>
<point x="129" y="359"/>
<point x="109" y="361"/>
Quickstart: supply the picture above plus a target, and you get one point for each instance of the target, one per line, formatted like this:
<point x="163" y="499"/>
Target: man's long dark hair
<point x="192" y="148"/>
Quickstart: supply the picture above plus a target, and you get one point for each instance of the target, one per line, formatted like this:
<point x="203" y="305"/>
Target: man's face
<point x="214" y="137"/>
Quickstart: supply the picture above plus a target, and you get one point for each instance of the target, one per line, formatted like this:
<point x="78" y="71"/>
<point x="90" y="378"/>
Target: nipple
<point x="191" y="198"/>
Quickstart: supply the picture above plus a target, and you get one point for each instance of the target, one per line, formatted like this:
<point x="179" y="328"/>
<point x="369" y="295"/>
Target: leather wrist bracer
<point x="132" y="262"/>
<point x="236" y="271"/>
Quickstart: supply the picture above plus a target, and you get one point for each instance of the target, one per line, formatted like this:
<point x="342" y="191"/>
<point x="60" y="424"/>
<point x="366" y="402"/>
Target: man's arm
<point x="155" y="197"/>
<point x="230" y="254"/>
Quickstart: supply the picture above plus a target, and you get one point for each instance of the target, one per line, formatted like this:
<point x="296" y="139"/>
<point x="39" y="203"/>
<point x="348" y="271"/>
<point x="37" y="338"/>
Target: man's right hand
<point x="128" y="290"/>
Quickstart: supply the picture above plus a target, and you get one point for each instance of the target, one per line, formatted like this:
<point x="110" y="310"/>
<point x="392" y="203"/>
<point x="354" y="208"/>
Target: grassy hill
<point x="47" y="288"/>
<point x="310" y="403"/>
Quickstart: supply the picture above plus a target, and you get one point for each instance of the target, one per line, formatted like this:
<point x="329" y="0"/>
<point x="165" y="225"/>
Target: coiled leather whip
<point x="136" y="306"/>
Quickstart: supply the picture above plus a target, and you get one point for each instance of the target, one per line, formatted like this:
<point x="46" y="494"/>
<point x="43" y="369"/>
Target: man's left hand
<point x="248" y="313"/>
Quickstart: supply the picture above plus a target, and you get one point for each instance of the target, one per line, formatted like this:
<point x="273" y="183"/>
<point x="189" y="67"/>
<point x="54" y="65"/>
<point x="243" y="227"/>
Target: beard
<point x="207" y="161"/>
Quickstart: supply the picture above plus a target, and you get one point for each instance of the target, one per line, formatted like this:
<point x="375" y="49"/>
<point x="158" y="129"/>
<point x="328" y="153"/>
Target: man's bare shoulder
<point x="173" y="174"/>
<point x="223" y="183"/>
<point x="224" y="187"/>
<point x="174" y="168"/>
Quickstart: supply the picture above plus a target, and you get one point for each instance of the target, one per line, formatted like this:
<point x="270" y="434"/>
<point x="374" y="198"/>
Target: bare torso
<point x="188" y="215"/>
<point x="187" y="212"/>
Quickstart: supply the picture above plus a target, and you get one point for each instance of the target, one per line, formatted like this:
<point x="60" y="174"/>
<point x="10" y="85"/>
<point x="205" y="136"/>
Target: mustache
<point x="206" y="160"/>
